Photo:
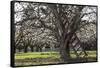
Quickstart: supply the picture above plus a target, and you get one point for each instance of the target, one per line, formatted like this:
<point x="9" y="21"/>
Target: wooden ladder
<point x="77" y="47"/>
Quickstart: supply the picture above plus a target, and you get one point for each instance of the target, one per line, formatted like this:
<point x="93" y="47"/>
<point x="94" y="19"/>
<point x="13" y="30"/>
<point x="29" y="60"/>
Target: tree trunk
<point x="19" y="49"/>
<point x="64" y="47"/>
<point x="37" y="49"/>
<point x="66" y="37"/>
<point x="32" y="49"/>
<point x="15" y="50"/>
<point x="40" y="49"/>
<point x="65" y="50"/>
<point x="64" y="42"/>
<point x="25" y="49"/>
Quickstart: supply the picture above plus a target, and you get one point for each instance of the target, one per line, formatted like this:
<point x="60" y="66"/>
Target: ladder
<point x="78" y="48"/>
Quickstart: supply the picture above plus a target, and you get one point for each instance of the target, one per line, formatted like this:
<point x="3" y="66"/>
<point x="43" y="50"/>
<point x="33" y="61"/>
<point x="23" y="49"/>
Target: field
<point x="37" y="58"/>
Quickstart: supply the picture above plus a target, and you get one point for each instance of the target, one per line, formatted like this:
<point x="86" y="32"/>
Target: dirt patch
<point x="37" y="61"/>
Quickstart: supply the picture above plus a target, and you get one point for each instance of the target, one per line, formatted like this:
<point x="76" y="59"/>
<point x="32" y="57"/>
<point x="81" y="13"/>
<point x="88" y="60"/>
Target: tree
<point x="61" y="21"/>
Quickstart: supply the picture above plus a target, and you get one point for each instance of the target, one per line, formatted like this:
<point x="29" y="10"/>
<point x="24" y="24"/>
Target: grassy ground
<point x="37" y="58"/>
<point x="37" y="55"/>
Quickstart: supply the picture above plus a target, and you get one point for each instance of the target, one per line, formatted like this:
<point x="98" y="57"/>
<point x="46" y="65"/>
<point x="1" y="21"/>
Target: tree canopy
<point x="40" y="24"/>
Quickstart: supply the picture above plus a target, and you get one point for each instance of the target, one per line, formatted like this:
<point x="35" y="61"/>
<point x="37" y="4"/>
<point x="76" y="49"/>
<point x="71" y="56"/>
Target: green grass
<point x="91" y="54"/>
<point x="47" y="54"/>
<point x="37" y="55"/>
<point x="37" y="58"/>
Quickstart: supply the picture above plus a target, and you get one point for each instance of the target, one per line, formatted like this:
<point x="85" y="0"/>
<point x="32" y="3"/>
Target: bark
<point x="25" y="49"/>
<point x="40" y="49"/>
<point x="37" y="49"/>
<point x="32" y="49"/>
<point x="19" y="49"/>
<point x="64" y="46"/>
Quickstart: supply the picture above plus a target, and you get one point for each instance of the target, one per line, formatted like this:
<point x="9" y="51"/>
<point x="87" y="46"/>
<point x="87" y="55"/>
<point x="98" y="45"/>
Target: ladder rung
<point x="73" y="40"/>
<point x="78" y="48"/>
<point x="76" y="44"/>
<point x="81" y="53"/>
<point x="75" y="51"/>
